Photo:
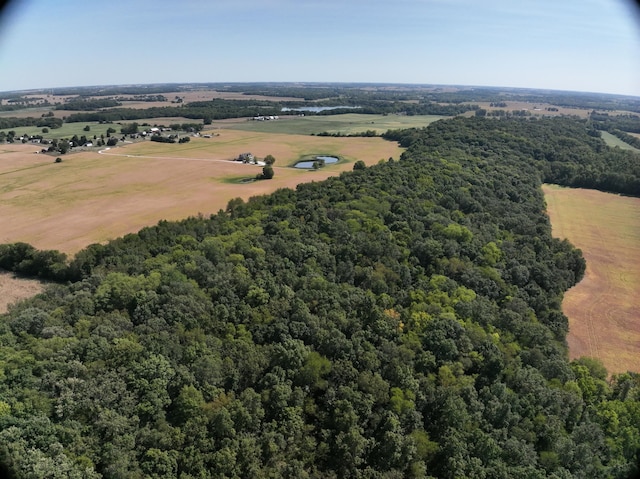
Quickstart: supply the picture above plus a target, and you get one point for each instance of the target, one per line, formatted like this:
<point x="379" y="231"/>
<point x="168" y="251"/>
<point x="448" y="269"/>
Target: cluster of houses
<point x="266" y="118"/>
<point x="246" y="158"/>
<point x="35" y="139"/>
<point x="249" y="159"/>
<point x="149" y="132"/>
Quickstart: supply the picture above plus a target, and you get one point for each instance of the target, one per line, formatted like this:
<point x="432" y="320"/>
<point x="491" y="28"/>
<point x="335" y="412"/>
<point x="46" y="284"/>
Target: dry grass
<point x="604" y="308"/>
<point x="14" y="289"/>
<point x="91" y="198"/>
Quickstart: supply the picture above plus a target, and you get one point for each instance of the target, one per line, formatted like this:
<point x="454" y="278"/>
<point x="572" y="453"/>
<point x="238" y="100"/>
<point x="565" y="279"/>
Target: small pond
<point x="308" y="164"/>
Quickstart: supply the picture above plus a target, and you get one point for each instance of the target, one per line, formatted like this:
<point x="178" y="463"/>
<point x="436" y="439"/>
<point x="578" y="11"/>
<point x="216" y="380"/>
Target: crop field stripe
<point x="24" y="169"/>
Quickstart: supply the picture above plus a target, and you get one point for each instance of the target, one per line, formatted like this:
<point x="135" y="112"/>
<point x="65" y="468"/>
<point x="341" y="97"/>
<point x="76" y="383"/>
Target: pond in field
<point x="308" y="164"/>
<point x="317" y="109"/>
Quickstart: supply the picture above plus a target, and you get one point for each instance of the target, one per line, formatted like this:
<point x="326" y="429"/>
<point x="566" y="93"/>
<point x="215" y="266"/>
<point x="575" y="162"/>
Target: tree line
<point x="16" y="122"/>
<point x="88" y="104"/>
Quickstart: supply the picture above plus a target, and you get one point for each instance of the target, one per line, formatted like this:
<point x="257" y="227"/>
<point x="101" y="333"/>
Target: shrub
<point x="267" y="173"/>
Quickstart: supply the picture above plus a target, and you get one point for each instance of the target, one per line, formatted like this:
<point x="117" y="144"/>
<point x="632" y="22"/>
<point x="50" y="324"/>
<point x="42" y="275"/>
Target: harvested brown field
<point x="604" y="308"/>
<point x="92" y="197"/>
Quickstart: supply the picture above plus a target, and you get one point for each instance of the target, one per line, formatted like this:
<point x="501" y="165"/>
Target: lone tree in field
<point x="267" y="173"/>
<point x="269" y="160"/>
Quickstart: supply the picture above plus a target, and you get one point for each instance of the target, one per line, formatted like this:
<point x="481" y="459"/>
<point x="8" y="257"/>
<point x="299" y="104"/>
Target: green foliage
<point x="129" y="128"/>
<point x="64" y="146"/>
<point x="267" y="173"/>
<point x="164" y="139"/>
<point x="18" y="122"/>
<point x="23" y="258"/>
<point x="564" y="151"/>
<point x="80" y="104"/>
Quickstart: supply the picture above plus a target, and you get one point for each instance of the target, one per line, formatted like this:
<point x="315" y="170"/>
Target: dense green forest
<point x="565" y="151"/>
<point x="401" y="320"/>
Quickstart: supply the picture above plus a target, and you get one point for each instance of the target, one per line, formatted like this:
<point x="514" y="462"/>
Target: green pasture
<point x="349" y="123"/>
<point x="614" y="141"/>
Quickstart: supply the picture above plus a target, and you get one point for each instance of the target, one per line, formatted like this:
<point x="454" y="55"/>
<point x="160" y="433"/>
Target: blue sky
<point x="582" y="45"/>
